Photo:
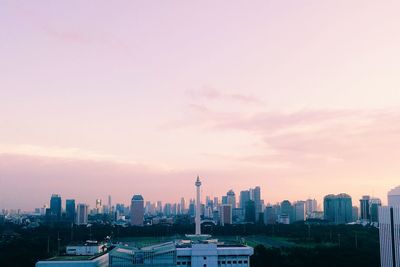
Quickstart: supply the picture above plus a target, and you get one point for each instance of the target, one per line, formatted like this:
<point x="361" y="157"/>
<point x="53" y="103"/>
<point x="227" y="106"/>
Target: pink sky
<point x="299" y="97"/>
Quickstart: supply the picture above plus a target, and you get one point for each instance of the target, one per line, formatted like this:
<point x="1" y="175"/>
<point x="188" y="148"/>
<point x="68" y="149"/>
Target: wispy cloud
<point x="212" y="93"/>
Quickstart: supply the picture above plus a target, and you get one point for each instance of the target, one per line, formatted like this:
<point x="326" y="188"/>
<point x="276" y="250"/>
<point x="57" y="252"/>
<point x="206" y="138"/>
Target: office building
<point x="311" y="206"/>
<point x="137" y="210"/>
<point x="255" y="195"/>
<point x="355" y="213"/>
<point x="374" y="205"/>
<point x="299" y="211"/>
<point x="182" y="206"/>
<point x="270" y="215"/>
<point x="389" y="235"/>
<point x="287" y="211"/>
<point x="394" y="197"/>
<point x="55" y="207"/>
<point x="364" y="208"/>
<point x="225" y="214"/>
<point x="244" y="197"/>
<point x="82" y="214"/>
<point x="99" y="206"/>
<point x="70" y="210"/>
<point x="338" y="209"/>
<point x="250" y="212"/>
<point x="231" y="199"/>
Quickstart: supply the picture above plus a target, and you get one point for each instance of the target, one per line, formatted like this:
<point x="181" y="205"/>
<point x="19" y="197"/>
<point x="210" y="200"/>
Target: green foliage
<point x="315" y="245"/>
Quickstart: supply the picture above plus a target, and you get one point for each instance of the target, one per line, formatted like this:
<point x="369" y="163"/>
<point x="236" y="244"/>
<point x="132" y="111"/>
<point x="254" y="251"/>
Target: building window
<point x="204" y="258"/>
<point x="205" y="265"/>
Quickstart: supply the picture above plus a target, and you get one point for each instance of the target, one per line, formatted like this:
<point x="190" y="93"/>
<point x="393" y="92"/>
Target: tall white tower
<point x="198" y="223"/>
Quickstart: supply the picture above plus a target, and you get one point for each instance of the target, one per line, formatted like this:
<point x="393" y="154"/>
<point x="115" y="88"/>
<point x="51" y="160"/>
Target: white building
<point x="389" y="236"/>
<point x="100" y="260"/>
<point x="82" y="214"/>
<point x="394" y="197"/>
<point x="299" y="211"/>
<point x="183" y="253"/>
<point x="89" y="248"/>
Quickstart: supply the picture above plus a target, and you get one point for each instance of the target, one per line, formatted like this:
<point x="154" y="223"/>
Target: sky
<point x="97" y="98"/>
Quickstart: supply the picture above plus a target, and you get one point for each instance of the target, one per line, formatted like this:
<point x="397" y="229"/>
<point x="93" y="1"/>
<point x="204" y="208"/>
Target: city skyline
<point x="301" y="100"/>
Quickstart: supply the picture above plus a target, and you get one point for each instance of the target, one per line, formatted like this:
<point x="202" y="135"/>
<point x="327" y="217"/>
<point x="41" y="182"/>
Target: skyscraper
<point x="82" y="214"/>
<point x="244" y="197"/>
<point x="183" y="206"/>
<point x="270" y="215"/>
<point x="250" y="211"/>
<point x="231" y="198"/>
<point x="311" y="206"/>
<point x="109" y="205"/>
<point x="287" y="210"/>
<point x="338" y="208"/>
<point x="394" y="197"/>
<point x="299" y="211"/>
<point x="364" y="208"/>
<point x="99" y="206"/>
<point x="257" y="201"/>
<point x="225" y="214"/>
<point x="55" y="207"/>
<point x="389" y="235"/>
<point x="374" y="205"/>
<point x="137" y="210"/>
<point x="70" y="210"/>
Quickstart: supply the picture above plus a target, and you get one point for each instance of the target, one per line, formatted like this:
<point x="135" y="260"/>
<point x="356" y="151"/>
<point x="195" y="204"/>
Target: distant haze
<point x="119" y="98"/>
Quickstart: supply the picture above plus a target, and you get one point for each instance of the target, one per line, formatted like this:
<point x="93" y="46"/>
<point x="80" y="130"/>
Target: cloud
<point x="211" y="93"/>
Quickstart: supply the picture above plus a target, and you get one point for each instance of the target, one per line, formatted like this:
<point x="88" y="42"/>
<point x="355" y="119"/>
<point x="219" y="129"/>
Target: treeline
<point x="329" y="245"/>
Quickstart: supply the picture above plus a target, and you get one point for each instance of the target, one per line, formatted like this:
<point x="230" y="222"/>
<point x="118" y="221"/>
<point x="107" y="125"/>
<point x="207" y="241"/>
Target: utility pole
<point x="356" y="240"/>
<point x="58" y="243"/>
<point x="72" y="232"/>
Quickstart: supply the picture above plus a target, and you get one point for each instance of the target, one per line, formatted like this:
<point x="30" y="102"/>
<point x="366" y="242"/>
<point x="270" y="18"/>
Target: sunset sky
<point x="138" y="97"/>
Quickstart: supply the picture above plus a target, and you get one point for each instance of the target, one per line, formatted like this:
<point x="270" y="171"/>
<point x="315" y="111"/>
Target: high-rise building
<point x="250" y="211"/>
<point x="374" y="205"/>
<point x="216" y="202"/>
<point x="225" y="214"/>
<point x="55" y="207"/>
<point x="70" y="210"/>
<point x="394" y="197"/>
<point x="389" y="235"/>
<point x="231" y="198"/>
<point x="167" y="209"/>
<point x="338" y="208"/>
<point x="82" y="214"/>
<point x="183" y="206"/>
<point x="299" y="210"/>
<point x="311" y="206"/>
<point x="137" y="210"/>
<point x="256" y="197"/>
<point x="159" y="207"/>
<point x="270" y="215"/>
<point x="364" y="208"/>
<point x="244" y="197"/>
<point x="287" y="209"/>
<point x="355" y="213"/>
<point x="99" y="206"/>
<point x="109" y="205"/>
